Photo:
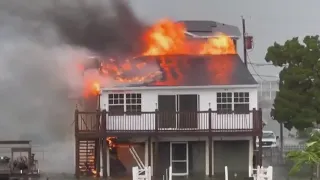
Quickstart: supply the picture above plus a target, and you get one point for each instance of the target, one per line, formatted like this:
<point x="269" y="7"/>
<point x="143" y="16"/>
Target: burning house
<point x="188" y="101"/>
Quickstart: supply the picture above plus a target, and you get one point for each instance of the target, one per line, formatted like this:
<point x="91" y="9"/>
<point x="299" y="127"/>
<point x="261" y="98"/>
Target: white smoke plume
<point x="39" y="42"/>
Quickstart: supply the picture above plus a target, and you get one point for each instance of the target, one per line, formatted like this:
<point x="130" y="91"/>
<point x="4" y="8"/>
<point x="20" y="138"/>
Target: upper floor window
<point x="237" y="102"/>
<point x="121" y="103"/>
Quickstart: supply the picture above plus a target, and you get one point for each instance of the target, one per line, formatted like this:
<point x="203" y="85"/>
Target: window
<point x="116" y="104"/>
<point x="120" y="103"/>
<point x="133" y="104"/>
<point x="237" y="102"/>
<point x="241" y="102"/>
<point x="224" y="102"/>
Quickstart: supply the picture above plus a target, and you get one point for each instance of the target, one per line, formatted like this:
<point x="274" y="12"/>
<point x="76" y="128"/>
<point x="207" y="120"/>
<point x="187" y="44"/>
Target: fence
<point x="141" y="174"/>
<point x="282" y="166"/>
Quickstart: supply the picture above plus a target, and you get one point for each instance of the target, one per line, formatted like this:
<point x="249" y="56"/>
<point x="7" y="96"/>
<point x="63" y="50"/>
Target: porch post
<point x="155" y="149"/>
<point x="97" y="156"/>
<point x="77" y="173"/>
<point x="77" y="144"/>
<point x="254" y="141"/>
<point x="210" y="142"/>
<point x="104" y="157"/>
<point x="101" y="157"/>
<point x="250" y="157"/>
<point x="155" y="156"/>
<point x="108" y="162"/>
<point x="260" y="135"/>
<point x="149" y="143"/>
<point x="104" y="143"/>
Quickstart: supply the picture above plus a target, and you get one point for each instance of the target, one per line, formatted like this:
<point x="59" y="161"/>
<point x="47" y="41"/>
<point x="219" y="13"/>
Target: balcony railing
<point x="201" y="121"/>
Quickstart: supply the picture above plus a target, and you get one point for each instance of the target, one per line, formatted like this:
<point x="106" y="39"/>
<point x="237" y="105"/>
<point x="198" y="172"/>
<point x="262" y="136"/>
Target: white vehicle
<point x="269" y="139"/>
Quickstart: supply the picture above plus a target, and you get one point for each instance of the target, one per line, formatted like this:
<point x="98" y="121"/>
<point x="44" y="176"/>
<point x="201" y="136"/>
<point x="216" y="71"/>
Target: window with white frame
<point x="241" y="102"/>
<point x="121" y="103"/>
<point x="237" y="102"/>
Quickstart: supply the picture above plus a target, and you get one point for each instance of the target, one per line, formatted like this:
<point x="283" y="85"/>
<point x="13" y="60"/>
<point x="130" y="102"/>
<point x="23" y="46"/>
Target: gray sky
<point x="267" y="21"/>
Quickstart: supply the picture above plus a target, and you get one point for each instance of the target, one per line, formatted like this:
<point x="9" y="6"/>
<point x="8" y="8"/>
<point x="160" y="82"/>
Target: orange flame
<point x="111" y="143"/>
<point x="169" y="38"/>
<point x="92" y="88"/>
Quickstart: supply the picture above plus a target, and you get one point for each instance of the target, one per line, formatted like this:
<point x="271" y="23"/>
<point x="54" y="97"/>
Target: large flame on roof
<point x="168" y="38"/>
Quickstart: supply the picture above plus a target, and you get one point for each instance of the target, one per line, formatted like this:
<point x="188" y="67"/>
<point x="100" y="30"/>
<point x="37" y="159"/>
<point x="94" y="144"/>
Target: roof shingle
<point x="200" y="70"/>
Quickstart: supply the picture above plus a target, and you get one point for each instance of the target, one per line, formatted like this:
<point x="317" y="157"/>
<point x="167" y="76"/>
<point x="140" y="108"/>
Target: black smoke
<point x="104" y="28"/>
<point x="39" y="40"/>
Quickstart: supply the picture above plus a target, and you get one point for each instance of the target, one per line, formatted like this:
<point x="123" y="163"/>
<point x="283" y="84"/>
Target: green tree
<point x="297" y="103"/>
<point x="309" y="156"/>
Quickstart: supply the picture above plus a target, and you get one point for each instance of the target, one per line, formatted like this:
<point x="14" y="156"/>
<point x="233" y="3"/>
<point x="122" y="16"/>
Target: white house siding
<point x="207" y="99"/>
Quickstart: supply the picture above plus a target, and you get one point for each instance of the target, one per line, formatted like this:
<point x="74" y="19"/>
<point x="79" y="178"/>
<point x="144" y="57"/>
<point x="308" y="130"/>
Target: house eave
<point x="210" y="36"/>
<point x="181" y="87"/>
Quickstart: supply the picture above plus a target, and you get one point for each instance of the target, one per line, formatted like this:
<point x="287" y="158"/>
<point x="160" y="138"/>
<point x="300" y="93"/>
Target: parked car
<point x="269" y="139"/>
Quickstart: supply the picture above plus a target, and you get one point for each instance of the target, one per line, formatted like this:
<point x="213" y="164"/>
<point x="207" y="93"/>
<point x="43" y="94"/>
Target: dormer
<point x="206" y="29"/>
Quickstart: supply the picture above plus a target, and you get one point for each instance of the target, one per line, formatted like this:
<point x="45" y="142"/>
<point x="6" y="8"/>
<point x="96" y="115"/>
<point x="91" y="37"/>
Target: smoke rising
<point x="101" y="29"/>
<point x="40" y="40"/>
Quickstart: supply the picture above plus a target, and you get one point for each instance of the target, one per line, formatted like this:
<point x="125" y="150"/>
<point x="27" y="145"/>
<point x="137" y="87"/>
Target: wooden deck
<point x="101" y="123"/>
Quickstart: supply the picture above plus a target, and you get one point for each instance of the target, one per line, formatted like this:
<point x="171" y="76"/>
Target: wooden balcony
<point x="187" y="123"/>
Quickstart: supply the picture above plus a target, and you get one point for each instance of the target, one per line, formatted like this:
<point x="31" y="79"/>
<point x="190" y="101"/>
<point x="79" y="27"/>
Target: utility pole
<point x="244" y="41"/>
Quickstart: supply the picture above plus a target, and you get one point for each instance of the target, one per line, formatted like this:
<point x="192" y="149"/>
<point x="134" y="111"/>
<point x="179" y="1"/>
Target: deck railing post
<point x="103" y="127"/>
<point x="76" y="121"/>
<point x="210" y="119"/>
<point x="98" y="120"/>
<point x="254" y="120"/>
<point x="210" y="144"/>
<point x="156" y="120"/>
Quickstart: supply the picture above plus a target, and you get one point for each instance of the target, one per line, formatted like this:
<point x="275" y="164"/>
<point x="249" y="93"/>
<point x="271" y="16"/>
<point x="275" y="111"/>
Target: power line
<point x="246" y="55"/>
<point x="253" y="68"/>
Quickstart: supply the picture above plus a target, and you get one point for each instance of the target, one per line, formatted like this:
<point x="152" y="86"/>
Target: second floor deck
<point x="201" y="122"/>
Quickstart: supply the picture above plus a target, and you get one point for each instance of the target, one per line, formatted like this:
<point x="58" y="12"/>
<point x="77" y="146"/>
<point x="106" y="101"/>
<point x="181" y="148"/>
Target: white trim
<point x="186" y="160"/>
<point x="180" y="87"/>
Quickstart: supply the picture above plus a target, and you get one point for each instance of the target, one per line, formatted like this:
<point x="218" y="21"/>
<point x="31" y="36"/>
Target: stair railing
<point x="136" y="157"/>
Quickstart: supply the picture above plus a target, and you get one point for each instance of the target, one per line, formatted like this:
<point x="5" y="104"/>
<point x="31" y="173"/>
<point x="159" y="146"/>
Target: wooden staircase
<point x="87" y="157"/>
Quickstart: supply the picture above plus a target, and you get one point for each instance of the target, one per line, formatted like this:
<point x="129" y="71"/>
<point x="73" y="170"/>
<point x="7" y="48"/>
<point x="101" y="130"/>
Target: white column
<point x="108" y="161"/>
<point x="212" y="157"/>
<point x="101" y="161"/>
<point x="207" y="157"/>
<point x="151" y="158"/>
<point x="250" y="156"/>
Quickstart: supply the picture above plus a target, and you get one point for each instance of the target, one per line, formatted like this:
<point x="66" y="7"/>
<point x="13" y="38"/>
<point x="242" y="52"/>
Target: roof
<point x="198" y="70"/>
<point x="209" y="28"/>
